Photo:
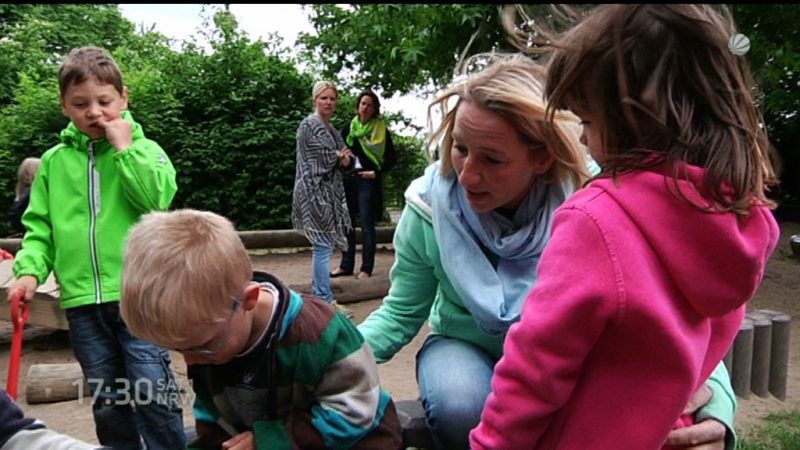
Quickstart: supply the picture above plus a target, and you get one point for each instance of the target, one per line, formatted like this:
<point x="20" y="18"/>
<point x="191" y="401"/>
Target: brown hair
<point x="510" y="86"/>
<point x="665" y="88"/>
<point x="86" y="62"/>
<point x="375" y="101"/>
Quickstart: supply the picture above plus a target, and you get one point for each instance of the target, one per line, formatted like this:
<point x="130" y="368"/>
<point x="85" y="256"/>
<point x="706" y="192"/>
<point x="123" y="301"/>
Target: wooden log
<point x="762" y="347"/>
<point x="348" y="290"/>
<point x="779" y="357"/>
<point x="48" y="383"/>
<point x="260" y="239"/>
<point x="728" y="360"/>
<point x="743" y="359"/>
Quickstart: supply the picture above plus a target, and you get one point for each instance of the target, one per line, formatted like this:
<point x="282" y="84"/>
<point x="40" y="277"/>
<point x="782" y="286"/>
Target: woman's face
<point x="494" y="164"/>
<point x="325" y="103"/>
<point x="366" y="108"/>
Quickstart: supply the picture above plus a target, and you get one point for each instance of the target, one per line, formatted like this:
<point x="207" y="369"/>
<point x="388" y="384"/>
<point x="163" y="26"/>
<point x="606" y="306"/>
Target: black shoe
<point x="340" y="273"/>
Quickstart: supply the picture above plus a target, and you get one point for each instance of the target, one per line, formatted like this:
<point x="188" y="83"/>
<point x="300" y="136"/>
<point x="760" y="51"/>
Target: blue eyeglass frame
<point x="237" y="301"/>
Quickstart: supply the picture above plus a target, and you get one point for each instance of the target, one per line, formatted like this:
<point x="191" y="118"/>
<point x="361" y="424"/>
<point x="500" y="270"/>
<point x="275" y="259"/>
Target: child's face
<point x="590" y="137"/>
<point x="217" y="343"/>
<point x="90" y="102"/>
<point x="495" y="165"/>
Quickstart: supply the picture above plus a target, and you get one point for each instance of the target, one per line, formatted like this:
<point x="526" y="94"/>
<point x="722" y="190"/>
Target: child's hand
<point x="27" y="284"/>
<point x="119" y="132"/>
<point x="242" y="441"/>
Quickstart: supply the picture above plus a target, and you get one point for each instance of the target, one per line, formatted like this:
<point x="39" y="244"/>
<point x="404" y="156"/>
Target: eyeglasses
<point x="208" y="352"/>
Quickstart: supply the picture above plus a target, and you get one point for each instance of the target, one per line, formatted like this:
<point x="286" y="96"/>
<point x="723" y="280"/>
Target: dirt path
<point x="779" y="291"/>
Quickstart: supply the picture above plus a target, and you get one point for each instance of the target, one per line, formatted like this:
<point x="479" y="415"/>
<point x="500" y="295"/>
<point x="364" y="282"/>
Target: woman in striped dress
<point x="319" y="208"/>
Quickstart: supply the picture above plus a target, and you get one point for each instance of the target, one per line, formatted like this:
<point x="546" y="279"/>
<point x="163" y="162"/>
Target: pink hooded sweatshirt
<point x="639" y="296"/>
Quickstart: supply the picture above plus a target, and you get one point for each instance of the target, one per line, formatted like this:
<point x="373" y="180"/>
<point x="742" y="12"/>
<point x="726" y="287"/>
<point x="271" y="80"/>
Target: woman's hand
<point x="344" y="156"/>
<point x="706" y="435"/>
<point x="367" y="174"/>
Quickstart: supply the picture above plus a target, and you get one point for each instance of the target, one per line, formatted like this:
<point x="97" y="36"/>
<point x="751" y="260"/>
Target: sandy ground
<point x="779" y="291"/>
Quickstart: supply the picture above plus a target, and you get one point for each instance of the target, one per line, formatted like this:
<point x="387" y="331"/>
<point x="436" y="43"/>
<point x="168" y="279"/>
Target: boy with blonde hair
<point x="270" y="369"/>
<point x="89" y="190"/>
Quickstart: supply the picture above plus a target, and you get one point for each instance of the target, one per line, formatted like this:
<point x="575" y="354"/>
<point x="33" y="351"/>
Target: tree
<point x="399" y="47"/>
<point x="774" y="57"/>
<point x="35" y="37"/>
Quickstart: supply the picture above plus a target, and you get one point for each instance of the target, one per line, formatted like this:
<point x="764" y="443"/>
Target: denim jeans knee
<point x="320" y="272"/>
<point x="121" y="371"/>
<point x="454" y="379"/>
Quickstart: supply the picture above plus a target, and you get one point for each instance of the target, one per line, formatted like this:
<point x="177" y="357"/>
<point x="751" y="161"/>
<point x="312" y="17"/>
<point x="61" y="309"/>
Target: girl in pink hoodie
<point x="641" y="289"/>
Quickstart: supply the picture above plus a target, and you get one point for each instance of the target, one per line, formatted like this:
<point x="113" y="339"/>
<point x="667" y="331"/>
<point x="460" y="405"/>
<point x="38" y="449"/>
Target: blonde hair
<point x="510" y="86"/>
<point x="25" y="175"/>
<point x="320" y="87"/>
<point x="182" y="269"/>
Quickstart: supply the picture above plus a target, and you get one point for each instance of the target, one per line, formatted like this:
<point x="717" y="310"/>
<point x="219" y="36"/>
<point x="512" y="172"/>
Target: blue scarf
<point x="494" y="297"/>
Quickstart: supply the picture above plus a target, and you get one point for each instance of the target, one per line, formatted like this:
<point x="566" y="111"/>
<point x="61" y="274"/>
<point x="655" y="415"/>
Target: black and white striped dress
<point x="319" y="208"/>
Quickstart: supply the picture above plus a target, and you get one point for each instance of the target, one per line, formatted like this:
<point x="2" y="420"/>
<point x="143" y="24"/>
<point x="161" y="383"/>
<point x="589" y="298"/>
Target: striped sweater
<point x="319" y="207"/>
<point x="311" y="382"/>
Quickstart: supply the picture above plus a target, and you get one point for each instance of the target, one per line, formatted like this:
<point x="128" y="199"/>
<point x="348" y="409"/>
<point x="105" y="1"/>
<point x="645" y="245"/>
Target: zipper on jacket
<point x="94" y="209"/>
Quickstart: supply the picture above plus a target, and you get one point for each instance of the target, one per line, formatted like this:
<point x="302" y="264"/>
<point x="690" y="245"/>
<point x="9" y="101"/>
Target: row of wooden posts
<point x="758" y="360"/>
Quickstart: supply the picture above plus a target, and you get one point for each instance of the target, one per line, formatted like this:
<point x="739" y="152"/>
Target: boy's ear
<point x="63" y="105"/>
<point x="124" y="98"/>
<point x="250" y="296"/>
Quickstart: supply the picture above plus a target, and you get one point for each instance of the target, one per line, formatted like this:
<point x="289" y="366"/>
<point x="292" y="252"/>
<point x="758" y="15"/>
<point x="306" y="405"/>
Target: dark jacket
<point x="389" y="160"/>
<point x="17" y="208"/>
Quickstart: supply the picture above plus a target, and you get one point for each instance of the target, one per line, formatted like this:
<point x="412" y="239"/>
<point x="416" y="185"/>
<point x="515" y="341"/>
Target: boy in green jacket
<point x="90" y="189"/>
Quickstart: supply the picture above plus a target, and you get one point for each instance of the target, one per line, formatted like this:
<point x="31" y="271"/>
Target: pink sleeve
<point x="576" y="294"/>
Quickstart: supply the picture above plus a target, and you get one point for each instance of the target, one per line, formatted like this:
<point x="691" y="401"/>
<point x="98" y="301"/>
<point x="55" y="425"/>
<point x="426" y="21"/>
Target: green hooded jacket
<point x="83" y="201"/>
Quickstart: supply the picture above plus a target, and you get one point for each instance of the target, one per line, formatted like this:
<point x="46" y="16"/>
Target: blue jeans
<point x="454" y="379"/>
<point x="135" y="395"/>
<point x="361" y="197"/>
<point x="321" y="272"/>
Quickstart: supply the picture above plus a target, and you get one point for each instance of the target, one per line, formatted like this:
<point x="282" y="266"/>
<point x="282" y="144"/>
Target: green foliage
<point x="228" y="121"/>
<point x="399" y="47"/>
<point x="774" y="57"/>
<point x="411" y="162"/>
<point x="781" y="432"/>
<point x="35" y="37"/>
<point x="228" y="117"/>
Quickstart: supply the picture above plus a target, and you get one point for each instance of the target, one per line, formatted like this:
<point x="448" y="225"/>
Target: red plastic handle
<point x="18" y="321"/>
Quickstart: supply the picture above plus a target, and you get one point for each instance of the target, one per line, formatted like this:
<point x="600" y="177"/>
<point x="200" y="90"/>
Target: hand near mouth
<point x="119" y="132"/>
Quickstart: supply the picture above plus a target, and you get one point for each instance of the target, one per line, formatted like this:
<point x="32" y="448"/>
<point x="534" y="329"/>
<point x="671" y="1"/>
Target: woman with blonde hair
<point x="319" y="208"/>
<point x="471" y="234"/>
<point x="25" y="175"/>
